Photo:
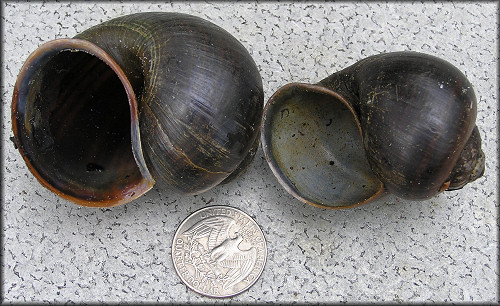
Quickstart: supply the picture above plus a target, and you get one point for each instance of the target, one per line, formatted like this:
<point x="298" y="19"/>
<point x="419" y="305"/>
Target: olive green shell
<point x="401" y="122"/>
<point x="141" y="99"/>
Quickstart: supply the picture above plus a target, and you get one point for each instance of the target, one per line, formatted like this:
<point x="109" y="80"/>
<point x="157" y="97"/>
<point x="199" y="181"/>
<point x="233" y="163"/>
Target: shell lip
<point x="76" y="45"/>
<point x="266" y="135"/>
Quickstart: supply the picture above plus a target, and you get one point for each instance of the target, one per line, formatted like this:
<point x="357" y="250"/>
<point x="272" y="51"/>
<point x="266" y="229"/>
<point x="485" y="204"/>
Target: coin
<point x="219" y="251"/>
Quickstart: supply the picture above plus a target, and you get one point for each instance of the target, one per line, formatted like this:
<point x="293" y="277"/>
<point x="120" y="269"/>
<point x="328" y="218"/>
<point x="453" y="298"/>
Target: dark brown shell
<point x="141" y="99"/>
<point x="415" y="113"/>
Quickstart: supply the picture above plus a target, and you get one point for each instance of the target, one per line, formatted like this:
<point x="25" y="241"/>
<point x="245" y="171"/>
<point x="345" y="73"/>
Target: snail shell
<point x="401" y="123"/>
<point x="141" y="99"/>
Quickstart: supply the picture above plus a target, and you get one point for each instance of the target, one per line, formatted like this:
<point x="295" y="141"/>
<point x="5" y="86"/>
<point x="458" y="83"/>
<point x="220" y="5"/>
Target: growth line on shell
<point x="188" y="160"/>
<point x="143" y="32"/>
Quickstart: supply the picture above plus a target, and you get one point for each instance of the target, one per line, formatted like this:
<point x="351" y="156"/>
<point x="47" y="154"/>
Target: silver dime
<point x="219" y="251"/>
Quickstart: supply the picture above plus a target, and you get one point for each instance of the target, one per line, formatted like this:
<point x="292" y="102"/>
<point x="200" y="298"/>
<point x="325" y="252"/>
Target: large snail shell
<point x="400" y="122"/>
<point x="141" y="99"/>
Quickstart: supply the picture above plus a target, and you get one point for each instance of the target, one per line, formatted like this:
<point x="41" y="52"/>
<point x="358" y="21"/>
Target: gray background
<point x="442" y="249"/>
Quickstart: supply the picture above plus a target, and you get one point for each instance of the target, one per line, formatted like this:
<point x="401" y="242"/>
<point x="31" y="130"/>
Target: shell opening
<point x="72" y="120"/>
<point x="313" y="144"/>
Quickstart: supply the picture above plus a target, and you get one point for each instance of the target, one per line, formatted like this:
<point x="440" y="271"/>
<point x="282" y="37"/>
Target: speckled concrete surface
<point x="442" y="249"/>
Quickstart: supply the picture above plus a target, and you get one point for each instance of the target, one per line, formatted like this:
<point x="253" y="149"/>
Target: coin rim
<point x="203" y="293"/>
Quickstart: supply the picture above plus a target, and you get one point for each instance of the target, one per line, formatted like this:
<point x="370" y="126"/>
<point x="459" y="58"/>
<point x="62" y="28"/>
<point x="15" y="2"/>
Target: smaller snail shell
<point x="401" y="122"/>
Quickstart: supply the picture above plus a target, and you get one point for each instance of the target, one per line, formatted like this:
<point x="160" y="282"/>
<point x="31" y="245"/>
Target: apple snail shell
<point x="401" y="123"/>
<point x="141" y="99"/>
